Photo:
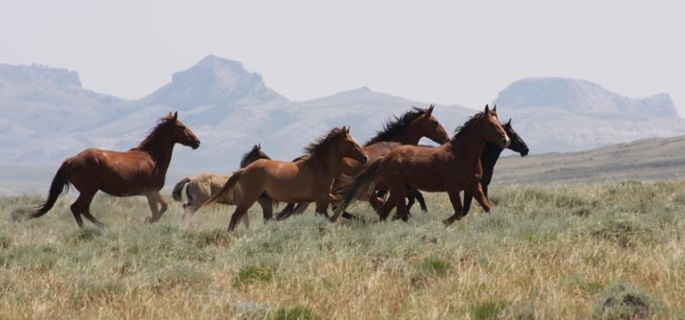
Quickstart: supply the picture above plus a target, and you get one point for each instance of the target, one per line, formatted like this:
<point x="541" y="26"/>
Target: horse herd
<point x="335" y="171"/>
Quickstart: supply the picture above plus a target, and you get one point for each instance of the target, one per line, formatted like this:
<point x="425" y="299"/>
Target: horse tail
<point x="361" y="188"/>
<point x="176" y="193"/>
<point x="228" y="186"/>
<point x="60" y="184"/>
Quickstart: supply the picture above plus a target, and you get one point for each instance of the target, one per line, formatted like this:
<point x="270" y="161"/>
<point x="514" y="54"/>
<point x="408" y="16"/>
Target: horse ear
<point x="494" y="108"/>
<point x="175" y="115"/>
<point x="487" y="108"/>
<point x="509" y="122"/>
<point x="429" y="111"/>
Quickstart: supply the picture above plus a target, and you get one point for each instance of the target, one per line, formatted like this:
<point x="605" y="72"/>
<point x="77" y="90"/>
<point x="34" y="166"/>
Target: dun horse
<point x="139" y="171"/>
<point x="307" y="180"/>
<point x="407" y="129"/>
<point x="488" y="159"/>
<point x="202" y="186"/>
<point x="451" y="167"/>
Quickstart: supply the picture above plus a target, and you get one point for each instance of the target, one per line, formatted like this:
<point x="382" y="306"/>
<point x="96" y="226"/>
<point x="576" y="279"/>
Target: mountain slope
<point x="558" y="115"/>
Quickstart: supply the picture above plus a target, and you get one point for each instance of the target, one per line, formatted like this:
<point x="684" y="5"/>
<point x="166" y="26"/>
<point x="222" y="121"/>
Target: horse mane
<point x="394" y="126"/>
<point x="252" y="155"/>
<point x="321" y="144"/>
<point x="469" y="123"/>
<point x="152" y="134"/>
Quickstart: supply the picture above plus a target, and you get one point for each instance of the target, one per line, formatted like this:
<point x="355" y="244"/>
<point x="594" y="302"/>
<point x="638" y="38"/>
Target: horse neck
<point x="468" y="146"/>
<point x="330" y="162"/>
<point x="160" y="150"/>
<point x="408" y="136"/>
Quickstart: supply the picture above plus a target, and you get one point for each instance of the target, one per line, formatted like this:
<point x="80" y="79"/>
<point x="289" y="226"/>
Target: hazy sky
<point x="451" y="52"/>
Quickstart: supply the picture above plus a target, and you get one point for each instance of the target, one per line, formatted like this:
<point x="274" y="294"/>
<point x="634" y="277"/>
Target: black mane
<point x="253" y="155"/>
<point x="393" y="127"/>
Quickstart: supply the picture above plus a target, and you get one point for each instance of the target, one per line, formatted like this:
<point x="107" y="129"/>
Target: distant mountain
<point x="46" y="115"/>
<point x="559" y="115"/>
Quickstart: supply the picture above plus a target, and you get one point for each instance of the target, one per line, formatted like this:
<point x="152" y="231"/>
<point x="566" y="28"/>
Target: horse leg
<point x="477" y="192"/>
<point x="301" y="207"/>
<point x="81" y="205"/>
<point x="410" y="202"/>
<point x="402" y="212"/>
<point x="188" y="212"/>
<point x="421" y="200"/>
<point x="467" y="201"/>
<point x="152" y="200"/>
<point x="456" y="205"/>
<point x="241" y="211"/>
<point x="267" y="207"/>
<point x="389" y="204"/>
<point x="286" y="212"/>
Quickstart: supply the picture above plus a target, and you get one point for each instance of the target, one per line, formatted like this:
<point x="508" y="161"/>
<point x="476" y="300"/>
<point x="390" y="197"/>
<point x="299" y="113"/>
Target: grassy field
<point x="606" y="251"/>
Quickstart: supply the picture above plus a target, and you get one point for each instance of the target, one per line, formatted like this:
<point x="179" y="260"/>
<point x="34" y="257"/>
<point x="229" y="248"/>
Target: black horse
<point x="488" y="158"/>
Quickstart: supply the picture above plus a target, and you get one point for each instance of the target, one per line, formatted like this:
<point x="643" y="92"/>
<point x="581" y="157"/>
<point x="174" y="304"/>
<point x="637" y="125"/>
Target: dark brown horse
<point x="139" y="171"/>
<point x="406" y="129"/>
<point x="308" y="180"/>
<point x="451" y="167"/>
<point x="202" y="186"/>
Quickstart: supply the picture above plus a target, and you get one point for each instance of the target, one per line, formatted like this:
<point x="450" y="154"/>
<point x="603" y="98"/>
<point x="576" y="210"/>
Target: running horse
<point x="406" y="129"/>
<point x="139" y="171"/>
<point x="450" y="167"/>
<point x="488" y="159"/>
<point x="201" y="187"/>
<point x="307" y="180"/>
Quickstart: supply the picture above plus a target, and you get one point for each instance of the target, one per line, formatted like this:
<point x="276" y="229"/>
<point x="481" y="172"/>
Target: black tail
<point x="60" y="184"/>
<point x="362" y="188"/>
<point x="176" y="193"/>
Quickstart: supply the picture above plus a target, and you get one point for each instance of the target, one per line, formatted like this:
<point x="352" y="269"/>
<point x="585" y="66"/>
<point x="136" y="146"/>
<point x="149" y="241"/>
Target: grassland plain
<point x="605" y="251"/>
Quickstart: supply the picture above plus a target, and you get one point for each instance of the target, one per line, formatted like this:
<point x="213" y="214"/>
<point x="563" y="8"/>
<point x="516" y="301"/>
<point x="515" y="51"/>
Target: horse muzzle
<point x="364" y="159"/>
<point x="195" y="145"/>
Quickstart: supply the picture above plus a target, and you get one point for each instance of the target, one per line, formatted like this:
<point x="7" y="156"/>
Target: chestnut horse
<point x="202" y="186"/>
<point x="306" y="180"/>
<point x="488" y="159"/>
<point x="451" y="167"/>
<point x="406" y="129"/>
<point x="139" y="171"/>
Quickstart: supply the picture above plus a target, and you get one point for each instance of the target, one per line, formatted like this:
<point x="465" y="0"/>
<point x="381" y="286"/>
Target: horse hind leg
<point x="152" y="200"/>
<point x="81" y="207"/>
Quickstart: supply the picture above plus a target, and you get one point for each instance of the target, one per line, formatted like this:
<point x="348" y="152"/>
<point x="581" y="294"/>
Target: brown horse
<point x="202" y="186"/>
<point x="307" y="180"/>
<point x="450" y="167"/>
<point x="139" y="171"/>
<point x="406" y="129"/>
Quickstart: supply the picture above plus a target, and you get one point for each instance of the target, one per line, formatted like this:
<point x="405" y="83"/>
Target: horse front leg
<point x="478" y="193"/>
<point x="456" y="205"/>
<point x="267" y="205"/>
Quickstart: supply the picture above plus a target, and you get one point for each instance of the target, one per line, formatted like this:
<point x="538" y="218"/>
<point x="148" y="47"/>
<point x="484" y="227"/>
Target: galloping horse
<point x="306" y="180"/>
<point x="451" y="167"/>
<point x="139" y="171"/>
<point x="488" y="159"/>
<point x="491" y="153"/>
<point x="202" y="186"/>
<point x="406" y="129"/>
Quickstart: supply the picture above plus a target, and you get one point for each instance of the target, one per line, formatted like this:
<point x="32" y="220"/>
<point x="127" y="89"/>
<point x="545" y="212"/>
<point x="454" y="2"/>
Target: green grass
<point x="550" y="252"/>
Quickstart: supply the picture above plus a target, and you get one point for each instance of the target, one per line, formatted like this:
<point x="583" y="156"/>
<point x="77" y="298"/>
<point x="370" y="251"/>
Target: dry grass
<point x="574" y="252"/>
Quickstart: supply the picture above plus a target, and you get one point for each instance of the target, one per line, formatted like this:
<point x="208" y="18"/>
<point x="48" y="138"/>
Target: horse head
<point x="348" y="147"/>
<point x="430" y="127"/>
<point x="180" y="133"/>
<point x="491" y="128"/>
<point x="517" y="144"/>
